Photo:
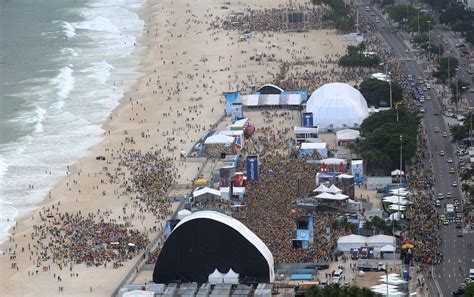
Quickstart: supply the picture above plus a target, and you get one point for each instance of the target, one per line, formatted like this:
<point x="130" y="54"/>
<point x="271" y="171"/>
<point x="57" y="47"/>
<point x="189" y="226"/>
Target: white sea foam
<point x="98" y="23"/>
<point x="64" y="113"/>
<point x="3" y="166"/>
<point x="69" y="30"/>
<point x="64" y="81"/>
<point x="99" y="71"/>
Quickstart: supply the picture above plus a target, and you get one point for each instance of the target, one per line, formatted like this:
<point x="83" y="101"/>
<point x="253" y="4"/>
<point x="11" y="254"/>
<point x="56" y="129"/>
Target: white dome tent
<point x="337" y="106"/>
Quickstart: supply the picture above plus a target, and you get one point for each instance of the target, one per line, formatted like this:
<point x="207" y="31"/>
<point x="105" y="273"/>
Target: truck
<point x="371" y="266"/>
<point x="450" y="211"/>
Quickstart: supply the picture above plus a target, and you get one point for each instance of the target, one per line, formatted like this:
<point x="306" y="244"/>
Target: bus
<point x="450" y="211"/>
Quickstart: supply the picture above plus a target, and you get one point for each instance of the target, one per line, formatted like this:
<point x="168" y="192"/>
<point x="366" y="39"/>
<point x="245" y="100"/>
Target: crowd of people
<point x="150" y="177"/>
<point x="71" y="239"/>
<point x="270" y="209"/>
<point x="300" y="17"/>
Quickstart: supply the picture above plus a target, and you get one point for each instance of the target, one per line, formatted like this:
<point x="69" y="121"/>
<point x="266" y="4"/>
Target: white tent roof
<point x="380" y="239"/>
<point x="334" y="189"/>
<point x="240" y="123"/>
<point x="231" y="277"/>
<point x="398" y="172"/>
<point x="216" y="277"/>
<point x="299" y="129"/>
<point x="219" y="139"/>
<point x="239" y="227"/>
<point x="345" y="176"/>
<point x="337" y="106"/>
<point x="381" y="76"/>
<point x="329" y="196"/>
<point x="340" y="196"/>
<point x="333" y="161"/>
<point x="396" y="207"/>
<point x="387" y="248"/>
<point x="321" y="188"/>
<point x="313" y="145"/>
<point x="231" y="132"/>
<point x="347" y="134"/>
<point x="353" y="238"/>
<point x="206" y="190"/>
<point x="139" y="293"/>
<point x="326" y="195"/>
<point x="183" y="213"/>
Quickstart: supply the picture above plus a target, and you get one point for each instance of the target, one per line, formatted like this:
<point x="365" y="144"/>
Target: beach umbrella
<point x="407" y="246"/>
<point x="201" y="182"/>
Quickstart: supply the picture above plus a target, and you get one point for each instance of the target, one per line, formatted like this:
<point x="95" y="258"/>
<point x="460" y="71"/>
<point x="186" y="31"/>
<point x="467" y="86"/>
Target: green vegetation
<point x="380" y="226"/>
<point x="442" y="72"/>
<point x="420" y="39"/>
<point x="377" y="92"/>
<point x="380" y="139"/>
<point x="336" y="290"/>
<point x="414" y="20"/>
<point x="340" y="14"/>
<point x="469" y="290"/>
<point x="459" y="132"/>
<point x="460" y="20"/>
<point x="355" y="57"/>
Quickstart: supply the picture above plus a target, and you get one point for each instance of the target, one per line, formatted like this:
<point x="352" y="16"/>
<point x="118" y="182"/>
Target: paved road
<point x="454" y="248"/>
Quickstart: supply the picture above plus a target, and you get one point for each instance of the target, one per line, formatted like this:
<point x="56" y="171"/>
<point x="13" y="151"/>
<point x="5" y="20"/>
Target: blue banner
<point x="252" y="168"/>
<point x="358" y="171"/>
<point x="308" y="119"/>
<point x="237" y="112"/>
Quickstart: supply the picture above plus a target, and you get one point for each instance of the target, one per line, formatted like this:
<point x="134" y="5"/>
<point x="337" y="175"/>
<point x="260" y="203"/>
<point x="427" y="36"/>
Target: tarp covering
<point x="313" y="145"/>
<point x="206" y="190"/>
<point x="139" y="293"/>
<point x="347" y="135"/>
<point x="219" y="139"/>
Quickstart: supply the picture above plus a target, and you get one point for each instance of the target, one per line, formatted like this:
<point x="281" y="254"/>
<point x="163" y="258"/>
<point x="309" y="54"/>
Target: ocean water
<point x="64" y="65"/>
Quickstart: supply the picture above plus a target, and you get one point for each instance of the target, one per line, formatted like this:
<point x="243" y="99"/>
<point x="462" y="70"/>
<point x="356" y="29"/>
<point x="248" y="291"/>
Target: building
<point x="337" y="106"/>
<point x="207" y="240"/>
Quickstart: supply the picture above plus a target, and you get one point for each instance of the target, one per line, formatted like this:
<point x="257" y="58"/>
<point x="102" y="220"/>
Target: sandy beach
<point x="187" y="65"/>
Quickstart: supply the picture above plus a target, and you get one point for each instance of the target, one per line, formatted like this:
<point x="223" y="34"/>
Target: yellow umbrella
<point x="201" y="182"/>
<point x="407" y="246"/>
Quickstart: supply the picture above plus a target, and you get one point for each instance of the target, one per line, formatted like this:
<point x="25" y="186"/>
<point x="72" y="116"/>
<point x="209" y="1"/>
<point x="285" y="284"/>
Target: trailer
<point x="371" y="266"/>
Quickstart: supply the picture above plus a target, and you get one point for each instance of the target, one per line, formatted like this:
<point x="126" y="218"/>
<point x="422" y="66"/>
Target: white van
<point x="336" y="277"/>
<point x="471" y="274"/>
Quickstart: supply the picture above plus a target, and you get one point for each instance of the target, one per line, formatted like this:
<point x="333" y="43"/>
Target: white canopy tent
<point x="353" y="241"/>
<point x="206" y="190"/>
<point x="219" y="139"/>
<point x="387" y="249"/>
<point x="347" y="135"/>
<point x="321" y="188"/>
<point x="333" y="161"/>
<point x="231" y="277"/>
<point x="329" y="196"/>
<point x="216" y="277"/>
<point x="333" y="189"/>
<point x="397" y="207"/>
<point x="397" y="172"/>
<point x="183" y="213"/>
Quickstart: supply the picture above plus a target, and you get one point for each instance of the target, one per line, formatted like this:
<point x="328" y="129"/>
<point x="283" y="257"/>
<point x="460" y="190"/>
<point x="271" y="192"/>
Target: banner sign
<point x="237" y="112"/>
<point x="308" y="119"/>
<point x="358" y="171"/>
<point x="252" y="168"/>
